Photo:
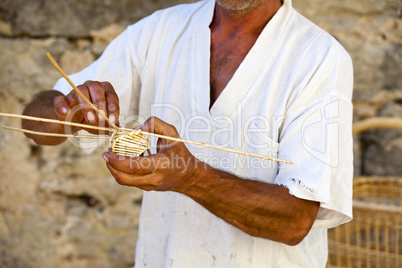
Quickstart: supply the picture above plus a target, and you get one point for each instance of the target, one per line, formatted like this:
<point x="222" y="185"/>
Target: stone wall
<point x="60" y="207"/>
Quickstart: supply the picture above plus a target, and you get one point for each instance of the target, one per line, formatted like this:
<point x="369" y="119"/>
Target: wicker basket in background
<point x="374" y="237"/>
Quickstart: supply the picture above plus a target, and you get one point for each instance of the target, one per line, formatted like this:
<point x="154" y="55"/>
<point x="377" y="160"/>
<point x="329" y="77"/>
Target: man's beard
<point x="238" y="5"/>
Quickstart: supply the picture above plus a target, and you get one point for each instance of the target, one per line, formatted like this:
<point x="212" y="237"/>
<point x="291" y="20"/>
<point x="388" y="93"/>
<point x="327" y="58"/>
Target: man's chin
<point x="238" y="5"/>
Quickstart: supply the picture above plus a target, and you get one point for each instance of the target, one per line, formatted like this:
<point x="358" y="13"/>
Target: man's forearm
<point x="259" y="209"/>
<point x="42" y="106"/>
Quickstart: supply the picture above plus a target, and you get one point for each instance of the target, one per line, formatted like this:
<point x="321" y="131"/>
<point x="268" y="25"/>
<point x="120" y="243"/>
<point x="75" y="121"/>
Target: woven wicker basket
<point x="374" y="237"/>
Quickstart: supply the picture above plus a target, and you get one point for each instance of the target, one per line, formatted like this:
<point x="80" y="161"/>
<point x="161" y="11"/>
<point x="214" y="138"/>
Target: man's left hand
<point x="172" y="168"/>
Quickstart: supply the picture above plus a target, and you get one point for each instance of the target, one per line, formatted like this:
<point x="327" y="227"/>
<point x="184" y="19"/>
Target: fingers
<point x="141" y="172"/>
<point x="78" y="106"/>
<point x="101" y="94"/>
<point x="137" y="165"/>
<point x="96" y="93"/>
<point x="62" y="108"/>
<point x="112" y="102"/>
<point x="63" y="113"/>
<point x="104" y="97"/>
<point x="87" y="111"/>
<point x="146" y="182"/>
<point x="155" y="125"/>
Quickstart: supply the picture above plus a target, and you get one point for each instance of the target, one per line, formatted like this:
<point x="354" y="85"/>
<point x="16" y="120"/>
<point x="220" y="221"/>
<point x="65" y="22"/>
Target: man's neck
<point x="248" y="21"/>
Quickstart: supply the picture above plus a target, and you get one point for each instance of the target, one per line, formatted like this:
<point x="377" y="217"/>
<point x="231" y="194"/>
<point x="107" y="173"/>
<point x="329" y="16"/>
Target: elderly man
<point x="252" y="75"/>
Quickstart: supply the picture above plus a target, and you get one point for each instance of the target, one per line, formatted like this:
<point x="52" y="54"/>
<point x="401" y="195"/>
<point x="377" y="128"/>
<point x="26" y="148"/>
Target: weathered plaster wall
<point x="60" y="207"/>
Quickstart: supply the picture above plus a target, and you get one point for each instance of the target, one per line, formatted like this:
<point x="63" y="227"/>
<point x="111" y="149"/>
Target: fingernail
<point x="100" y="116"/>
<point x="105" y="158"/>
<point x="90" y="116"/>
<point x="64" y="110"/>
<point x="112" y="118"/>
<point x="111" y="107"/>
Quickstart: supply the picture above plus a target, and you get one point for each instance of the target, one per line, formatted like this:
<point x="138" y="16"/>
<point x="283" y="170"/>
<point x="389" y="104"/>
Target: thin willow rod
<point x="145" y="133"/>
<point x="212" y="146"/>
<point x="54" y="134"/>
<point x="78" y="91"/>
<point x="39" y="119"/>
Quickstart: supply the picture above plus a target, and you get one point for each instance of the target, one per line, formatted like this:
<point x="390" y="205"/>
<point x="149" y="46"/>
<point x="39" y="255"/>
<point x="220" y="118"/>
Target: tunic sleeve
<point x="316" y="136"/>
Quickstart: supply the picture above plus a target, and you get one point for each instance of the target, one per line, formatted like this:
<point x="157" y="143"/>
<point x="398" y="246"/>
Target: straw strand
<point x="46" y="120"/>
<point x="134" y="137"/>
<point x="54" y="134"/>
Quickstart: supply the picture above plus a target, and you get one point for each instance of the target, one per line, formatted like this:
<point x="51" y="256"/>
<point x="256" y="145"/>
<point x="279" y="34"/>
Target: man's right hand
<point x="54" y="105"/>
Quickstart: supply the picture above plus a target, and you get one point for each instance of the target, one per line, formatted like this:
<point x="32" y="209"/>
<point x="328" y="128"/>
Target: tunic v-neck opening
<point x="239" y="84"/>
<point x="226" y="90"/>
<point x="235" y="39"/>
<point x="231" y="77"/>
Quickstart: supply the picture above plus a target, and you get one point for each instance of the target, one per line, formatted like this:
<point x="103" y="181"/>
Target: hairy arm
<point x="259" y="209"/>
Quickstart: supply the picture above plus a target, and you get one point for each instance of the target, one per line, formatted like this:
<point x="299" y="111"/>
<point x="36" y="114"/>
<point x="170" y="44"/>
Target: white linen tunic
<point x="290" y="98"/>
